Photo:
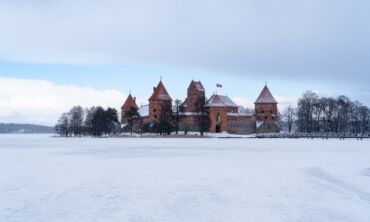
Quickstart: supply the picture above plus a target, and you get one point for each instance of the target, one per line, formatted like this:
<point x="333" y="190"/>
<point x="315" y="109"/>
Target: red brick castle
<point x="222" y="114"/>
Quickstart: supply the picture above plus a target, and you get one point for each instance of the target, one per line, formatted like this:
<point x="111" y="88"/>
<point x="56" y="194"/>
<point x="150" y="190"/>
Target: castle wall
<point x="189" y="123"/>
<point x="268" y="127"/>
<point x="241" y="126"/>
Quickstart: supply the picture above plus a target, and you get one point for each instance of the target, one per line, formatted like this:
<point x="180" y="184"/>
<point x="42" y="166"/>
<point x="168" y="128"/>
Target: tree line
<point x="315" y="114"/>
<point x="94" y="121"/>
<point x="24" y="128"/>
<point x="97" y="121"/>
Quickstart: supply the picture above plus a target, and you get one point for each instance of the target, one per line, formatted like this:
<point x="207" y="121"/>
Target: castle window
<point x="154" y="110"/>
<point x="155" y="116"/>
<point x="265" y="117"/>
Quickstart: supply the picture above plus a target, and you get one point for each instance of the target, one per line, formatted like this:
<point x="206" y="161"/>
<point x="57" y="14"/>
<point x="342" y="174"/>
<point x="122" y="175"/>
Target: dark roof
<point x="130" y="103"/>
<point x="220" y="101"/>
<point x="265" y="96"/>
<point x="160" y="93"/>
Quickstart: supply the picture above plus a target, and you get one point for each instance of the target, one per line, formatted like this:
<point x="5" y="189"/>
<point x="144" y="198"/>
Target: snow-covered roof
<point x="239" y="114"/>
<point x="265" y="96"/>
<point x="160" y="93"/>
<point x="189" y="114"/>
<point x="199" y="86"/>
<point x="259" y="124"/>
<point x="220" y="101"/>
<point x="144" y="110"/>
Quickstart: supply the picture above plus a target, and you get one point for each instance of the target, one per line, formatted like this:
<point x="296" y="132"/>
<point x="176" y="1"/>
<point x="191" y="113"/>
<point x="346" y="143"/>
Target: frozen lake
<point x="45" y="179"/>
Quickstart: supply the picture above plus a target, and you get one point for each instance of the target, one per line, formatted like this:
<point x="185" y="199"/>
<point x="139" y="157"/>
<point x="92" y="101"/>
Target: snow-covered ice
<point x="174" y="180"/>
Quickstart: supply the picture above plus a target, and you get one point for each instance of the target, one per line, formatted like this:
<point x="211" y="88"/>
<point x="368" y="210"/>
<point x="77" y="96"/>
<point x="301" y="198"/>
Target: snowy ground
<point x="44" y="179"/>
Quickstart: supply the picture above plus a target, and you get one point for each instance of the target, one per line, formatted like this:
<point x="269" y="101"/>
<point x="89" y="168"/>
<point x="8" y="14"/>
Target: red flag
<point x="219" y="85"/>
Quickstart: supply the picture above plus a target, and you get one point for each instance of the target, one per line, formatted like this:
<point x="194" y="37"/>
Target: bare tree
<point x="305" y="111"/>
<point x="176" y="110"/>
<point x="289" y="117"/>
<point x="62" y="127"/>
<point x="364" y="116"/>
<point x="76" y="120"/>
<point x="89" y="117"/>
<point x="202" y="117"/>
<point x="329" y="115"/>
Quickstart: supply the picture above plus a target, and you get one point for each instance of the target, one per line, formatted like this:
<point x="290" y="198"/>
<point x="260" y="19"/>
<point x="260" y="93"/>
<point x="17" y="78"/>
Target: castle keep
<point x="219" y="112"/>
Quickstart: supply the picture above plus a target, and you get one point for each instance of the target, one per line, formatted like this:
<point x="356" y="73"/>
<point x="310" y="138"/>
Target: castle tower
<point x="160" y="102"/>
<point x="130" y="103"/>
<point x="266" y="106"/>
<point x="218" y="108"/>
<point x="196" y="96"/>
<point x="266" y="112"/>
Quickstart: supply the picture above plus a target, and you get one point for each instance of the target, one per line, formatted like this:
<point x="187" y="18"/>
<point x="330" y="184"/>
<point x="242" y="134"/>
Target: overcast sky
<point x="93" y="52"/>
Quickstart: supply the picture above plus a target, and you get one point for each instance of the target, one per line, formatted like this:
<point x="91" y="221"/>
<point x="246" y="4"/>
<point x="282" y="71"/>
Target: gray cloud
<point x="289" y="39"/>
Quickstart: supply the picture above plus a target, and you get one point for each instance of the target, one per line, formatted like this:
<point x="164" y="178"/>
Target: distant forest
<point x="315" y="114"/>
<point x="24" y="128"/>
<point x="312" y="115"/>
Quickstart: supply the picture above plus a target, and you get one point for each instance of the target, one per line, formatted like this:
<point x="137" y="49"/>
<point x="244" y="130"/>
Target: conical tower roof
<point x="265" y="96"/>
<point x="160" y="93"/>
<point x="130" y="103"/>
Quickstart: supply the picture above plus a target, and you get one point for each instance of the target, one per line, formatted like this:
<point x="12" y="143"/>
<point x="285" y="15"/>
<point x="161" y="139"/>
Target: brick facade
<point x="195" y="97"/>
<point x="266" y="112"/>
<point x="160" y="103"/>
<point x="241" y="124"/>
<point x="222" y="113"/>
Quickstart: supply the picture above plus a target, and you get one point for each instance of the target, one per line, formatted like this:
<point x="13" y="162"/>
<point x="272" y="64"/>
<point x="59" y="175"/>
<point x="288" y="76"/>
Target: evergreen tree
<point x="98" y="121"/>
<point x="165" y="124"/>
<point x="133" y="117"/>
<point x="110" y="121"/>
